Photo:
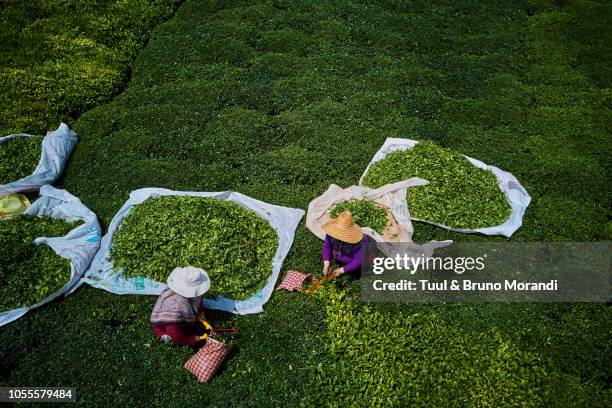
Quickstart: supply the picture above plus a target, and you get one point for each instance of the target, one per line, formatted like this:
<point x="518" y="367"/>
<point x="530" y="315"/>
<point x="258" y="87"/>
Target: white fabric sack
<point x="390" y="196"/>
<point x="79" y="245"/>
<point x="517" y="196"/>
<point x="398" y="240"/>
<point x="56" y="148"/>
<point x="284" y="220"/>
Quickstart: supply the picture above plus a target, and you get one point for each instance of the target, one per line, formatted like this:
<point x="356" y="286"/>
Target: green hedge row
<point x="279" y="99"/>
<point x="424" y="356"/>
<point x="59" y="58"/>
<point x="19" y="157"/>
<point x="104" y="346"/>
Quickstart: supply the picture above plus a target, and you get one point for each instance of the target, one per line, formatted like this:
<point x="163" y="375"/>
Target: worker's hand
<point x="326" y="268"/>
<point x="202" y="337"/>
<point x="338" y="272"/>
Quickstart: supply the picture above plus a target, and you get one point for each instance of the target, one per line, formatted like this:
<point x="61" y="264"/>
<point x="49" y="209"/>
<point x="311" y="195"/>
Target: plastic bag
<point x="12" y="205"/>
<point x="56" y="148"/>
<point x="517" y="196"/>
<point x="284" y="220"/>
<point x="79" y="245"/>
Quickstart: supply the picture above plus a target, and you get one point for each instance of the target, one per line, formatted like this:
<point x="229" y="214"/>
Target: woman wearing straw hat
<point x="178" y="312"/>
<point x="344" y="244"/>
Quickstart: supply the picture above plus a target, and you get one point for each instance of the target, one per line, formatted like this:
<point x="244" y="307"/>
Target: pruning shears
<point x="210" y="331"/>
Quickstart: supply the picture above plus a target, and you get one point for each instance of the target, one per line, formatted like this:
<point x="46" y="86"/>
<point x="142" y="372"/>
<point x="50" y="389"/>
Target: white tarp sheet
<point x="79" y="245"/>
<point x="390" y="196"/>
<point x="517" y="196"/>
<point x="56" y="148"/>
<point x="284" y="220"/>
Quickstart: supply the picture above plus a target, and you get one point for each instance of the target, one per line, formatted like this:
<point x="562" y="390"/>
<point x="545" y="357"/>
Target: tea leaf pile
<point x="19" y="157"/>
<point x="459" y="195"/>
<point x="232" y="244"/>
<point x="28" y="272"/>
<point x="365" y="214"/>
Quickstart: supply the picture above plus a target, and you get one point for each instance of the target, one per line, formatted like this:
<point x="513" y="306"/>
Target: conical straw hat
<point x="343" y="228"/>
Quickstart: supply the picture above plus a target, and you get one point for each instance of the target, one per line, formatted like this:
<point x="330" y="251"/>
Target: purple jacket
<point x="350" y="260"/>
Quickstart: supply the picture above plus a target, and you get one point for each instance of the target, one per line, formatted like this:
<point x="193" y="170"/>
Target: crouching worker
<point x="178" y="313"/>
<point x="344" y="244"/>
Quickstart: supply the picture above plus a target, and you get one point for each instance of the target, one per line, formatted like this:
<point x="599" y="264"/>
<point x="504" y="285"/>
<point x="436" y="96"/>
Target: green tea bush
<point x="19" y="157"/>
<point x="377" y="358"/>
<point x="28" y="272"/>
<point x="471" y="76"/>
<point x="59" y="58"/>
<point x="459" y="194"/>
<point x="233" y="244"/>
<point x="120" y="345"/>
<point x="365" y="214"/>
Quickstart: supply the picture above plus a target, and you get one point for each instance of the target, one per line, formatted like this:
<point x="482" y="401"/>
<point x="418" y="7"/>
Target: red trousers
<point x="180" y="333"/>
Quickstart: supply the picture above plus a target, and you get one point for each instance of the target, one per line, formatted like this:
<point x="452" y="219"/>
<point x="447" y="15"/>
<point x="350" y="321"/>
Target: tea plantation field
<point x="278" y="99"/>
<point x="59" y="58"/>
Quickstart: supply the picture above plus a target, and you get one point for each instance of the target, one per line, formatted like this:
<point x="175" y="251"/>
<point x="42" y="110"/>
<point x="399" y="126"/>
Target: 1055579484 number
<point x="37" y="394"/>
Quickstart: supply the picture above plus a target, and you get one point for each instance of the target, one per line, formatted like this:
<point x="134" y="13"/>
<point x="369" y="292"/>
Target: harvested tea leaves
<point x="365" y="214"/>
<point x="231" y="243"/>
<point x="19" y="157"/>
<point x="459" y="195"/>
<point x="28" y="272"/>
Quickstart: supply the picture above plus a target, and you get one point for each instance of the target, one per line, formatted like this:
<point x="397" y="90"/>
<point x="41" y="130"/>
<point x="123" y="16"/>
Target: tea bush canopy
<point x="19" y="157"/>
<point x="278" y="100"/>
<point x="59" y="58"/>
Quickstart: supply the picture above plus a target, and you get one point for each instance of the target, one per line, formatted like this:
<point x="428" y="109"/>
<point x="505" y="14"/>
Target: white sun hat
<point x="189" y="281"/>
